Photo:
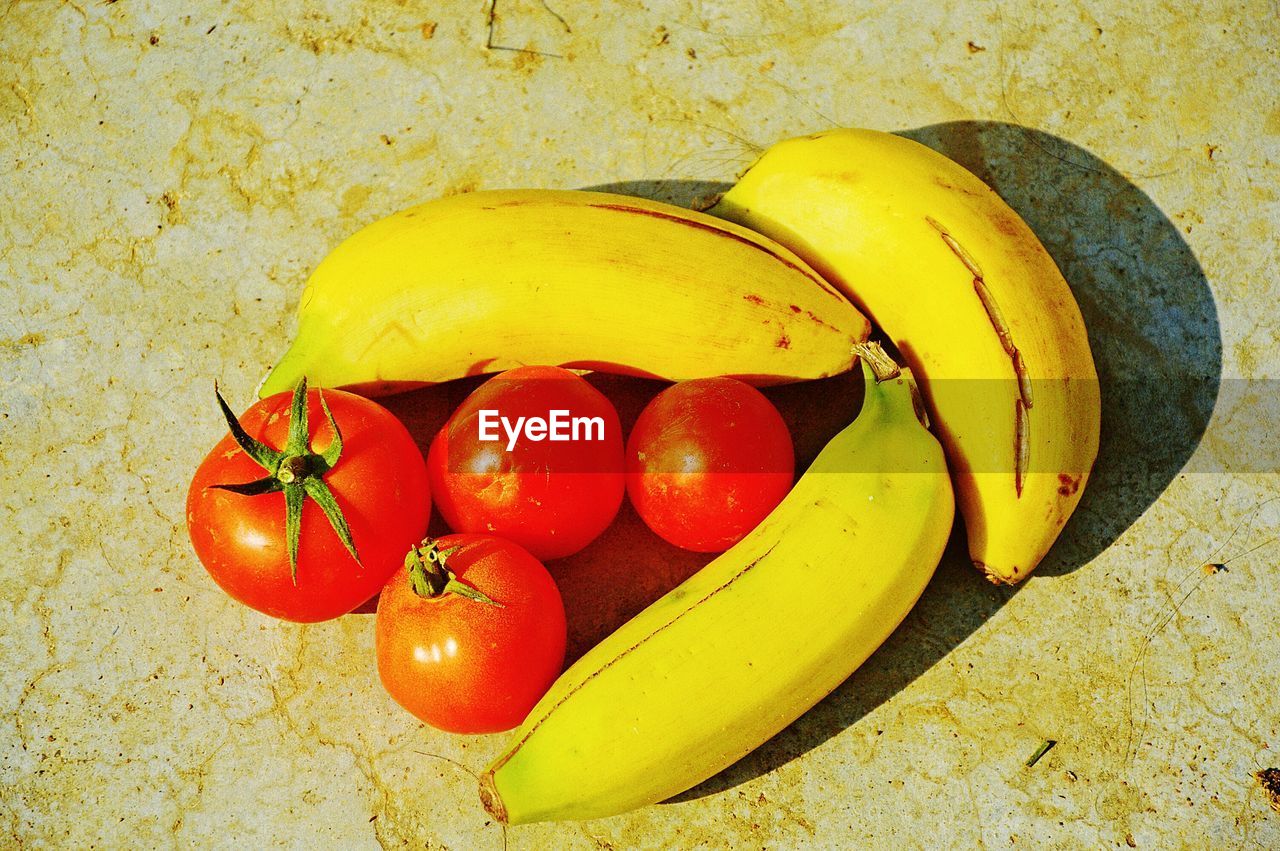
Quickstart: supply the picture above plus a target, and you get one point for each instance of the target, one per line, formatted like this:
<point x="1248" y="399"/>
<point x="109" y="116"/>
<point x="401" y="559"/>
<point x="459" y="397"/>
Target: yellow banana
<point x="486" y="281"/>
<point x="973" y="302"/>
<point x="750" y="642"/>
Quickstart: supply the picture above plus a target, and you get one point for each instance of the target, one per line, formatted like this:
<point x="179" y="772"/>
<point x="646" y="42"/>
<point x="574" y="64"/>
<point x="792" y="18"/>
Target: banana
<point x="750" y="642"/>
<point x="973" y="302"/>
<point x="486" y="281"/>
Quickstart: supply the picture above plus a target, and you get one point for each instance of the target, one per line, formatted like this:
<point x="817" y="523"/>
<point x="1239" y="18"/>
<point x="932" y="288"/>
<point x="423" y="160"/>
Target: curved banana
<point x="750" y="642"/>
<point x="973" y="302"/>
<point x="486" y="281"/>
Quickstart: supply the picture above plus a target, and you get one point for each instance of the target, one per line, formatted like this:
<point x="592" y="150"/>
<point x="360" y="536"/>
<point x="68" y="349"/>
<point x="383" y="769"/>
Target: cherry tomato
<point x="553" y="497"/>
<point x="378" y="483"/>
<point x="707" y="460"/>
<point x="480" y="638"/>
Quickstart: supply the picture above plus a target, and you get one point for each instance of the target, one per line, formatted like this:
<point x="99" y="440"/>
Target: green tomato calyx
<point x="296" y="470"/>
<point x="430" y="576"/>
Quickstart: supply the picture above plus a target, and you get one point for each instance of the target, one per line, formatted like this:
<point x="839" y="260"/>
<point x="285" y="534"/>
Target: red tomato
<point x="470" y="665"/>
<point x="707" y="460"/>
<point x="551" y="497"/>
<point x="379" y="482"/>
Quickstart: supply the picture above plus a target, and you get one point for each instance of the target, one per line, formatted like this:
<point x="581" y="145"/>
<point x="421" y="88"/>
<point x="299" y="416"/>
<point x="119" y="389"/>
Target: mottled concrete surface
<point x="172" y="171"/>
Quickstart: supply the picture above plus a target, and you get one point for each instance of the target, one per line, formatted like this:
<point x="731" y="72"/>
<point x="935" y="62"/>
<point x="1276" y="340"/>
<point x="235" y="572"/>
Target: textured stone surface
<point x="171" y="173"/>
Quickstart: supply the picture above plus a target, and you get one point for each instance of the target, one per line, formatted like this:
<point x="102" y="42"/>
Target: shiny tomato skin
<point x="379" y="482"/>
<point x="552" y="498"/>
<point x="462" y="665"/>
<point x="707" y="460"/>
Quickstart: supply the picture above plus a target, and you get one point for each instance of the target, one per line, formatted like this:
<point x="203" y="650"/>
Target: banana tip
<point x="994" y="577"/>
<point x="262" y="385"/>
<point x="490" y="798"/>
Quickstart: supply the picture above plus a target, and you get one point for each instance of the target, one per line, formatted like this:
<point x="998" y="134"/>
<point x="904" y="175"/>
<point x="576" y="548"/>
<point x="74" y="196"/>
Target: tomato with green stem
<point x="251" y="507"/>
<point x="470" y="634"/>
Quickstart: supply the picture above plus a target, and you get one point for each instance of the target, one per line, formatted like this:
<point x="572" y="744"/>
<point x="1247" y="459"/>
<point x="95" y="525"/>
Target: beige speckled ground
<point x="172" y="171"/>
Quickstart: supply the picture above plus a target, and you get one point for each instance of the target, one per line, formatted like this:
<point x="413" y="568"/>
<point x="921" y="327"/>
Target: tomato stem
<point x="293" y="468"/>
<point x="431" y="577"/>
<point x="426" y="571"/>
<point x="296" y="470"/>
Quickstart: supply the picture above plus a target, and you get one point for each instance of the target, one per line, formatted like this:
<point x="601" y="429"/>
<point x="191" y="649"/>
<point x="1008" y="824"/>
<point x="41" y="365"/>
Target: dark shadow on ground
<point x="956" y="602"/>
<point x="628" y="566"/>
<point x="696" y="194"/>
<point x="1154" y="331"/>
<point x="1152" y="322"/>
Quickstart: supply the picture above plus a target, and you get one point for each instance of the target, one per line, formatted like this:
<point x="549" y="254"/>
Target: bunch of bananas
<point x="774" y="285"/>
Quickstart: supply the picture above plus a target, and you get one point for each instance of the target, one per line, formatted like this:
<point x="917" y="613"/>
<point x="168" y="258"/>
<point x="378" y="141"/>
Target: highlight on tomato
<point x="470" y="634"/>
<point x="307" y="506"/>
<point x="534" y="455"/>
<point x="707" y="460"/>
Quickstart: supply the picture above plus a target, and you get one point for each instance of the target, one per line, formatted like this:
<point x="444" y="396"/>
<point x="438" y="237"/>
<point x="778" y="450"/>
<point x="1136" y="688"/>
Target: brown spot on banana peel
<point x="995" y="578"/>
<point x="489" y="791"/>
<point x="965" y="257"/>
<point x="996" y="316"/>
<point x="918" y="405"/>
<point x="1022" y="405"/>
<point x="795" y="309"/>
<point x="964" y="190"/>
<point x="1021" y="443"/>
<point x="813" y="317"/>
<point x="1024" y="380"/>
<point x="658" y="214"/>
<point x="490" y="799"/>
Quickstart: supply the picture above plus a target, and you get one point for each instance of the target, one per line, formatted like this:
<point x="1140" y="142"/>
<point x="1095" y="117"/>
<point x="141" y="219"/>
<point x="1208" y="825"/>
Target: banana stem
<point x="490" y="798"/>
<point x="883" y="366"/>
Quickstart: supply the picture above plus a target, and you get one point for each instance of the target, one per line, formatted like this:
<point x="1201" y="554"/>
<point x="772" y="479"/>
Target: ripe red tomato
<point x="470" y="664"/>
<point x="378" y="481"/>
<point x="707" y="460"/>
<point x="552" y="497"/>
